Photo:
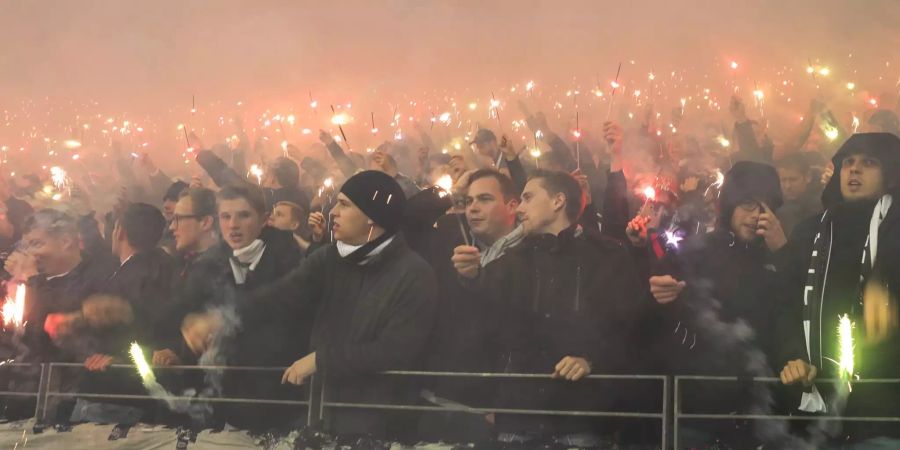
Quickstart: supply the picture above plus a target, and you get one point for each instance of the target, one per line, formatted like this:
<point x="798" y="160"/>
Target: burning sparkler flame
<point x="855" y="123"/>
<point x="831" y="132"/>
<point x="673" y="238"/>
<point x="340" y="119"/>
<point x="725" y="143"/>
<point x="845" y="348"/>
<point x="72" y="144"/>
<point x="328" y="183"/>
<point x="14" y="308"/>
<point x="137" y="356"/>
<point x="649" y="193"/>
<point x="445" y="184"/>
<point x="59" y="177"/>
<point x="529" y="86"/>
<point x="256" y="171"/>
<point x="535" y="153"/>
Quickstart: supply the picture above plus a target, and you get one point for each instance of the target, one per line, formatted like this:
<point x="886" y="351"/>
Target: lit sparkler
<point x="340" y="120"/>
<point x="845" y="361"/>
<point x="612" y="94"/>
<point x="445" y="187"/>
<point x="72" y="144"/>
<point x="256" y="171"/>
<point x="144" y="370"/>
<point x="14" y="308"/>
<point x="60" y="178"/>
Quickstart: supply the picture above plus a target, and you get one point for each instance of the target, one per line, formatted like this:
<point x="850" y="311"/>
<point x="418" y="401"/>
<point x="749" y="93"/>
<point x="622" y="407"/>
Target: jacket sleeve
<point x="294" y="294"/>
<point x="562" y="149"/>
<point x="517" y="173"/>
<point x="400" y="342"/>
<point x="220" y="173"/>
<point x="615" y="207"/>
<point x="347" y="166"/>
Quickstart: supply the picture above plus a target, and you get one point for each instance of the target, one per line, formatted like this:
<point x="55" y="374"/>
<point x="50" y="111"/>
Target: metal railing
<point x="318" y="405"/>
<point x="678" y="415"/>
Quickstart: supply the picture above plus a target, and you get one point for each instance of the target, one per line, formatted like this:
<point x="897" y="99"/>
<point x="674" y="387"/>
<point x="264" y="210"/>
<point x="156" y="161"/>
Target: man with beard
<point x="713" y="286"/>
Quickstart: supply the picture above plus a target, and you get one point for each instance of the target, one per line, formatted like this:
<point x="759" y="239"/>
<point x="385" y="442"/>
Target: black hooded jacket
<point x="732" y="293"/>
<point x="827" y="285"/>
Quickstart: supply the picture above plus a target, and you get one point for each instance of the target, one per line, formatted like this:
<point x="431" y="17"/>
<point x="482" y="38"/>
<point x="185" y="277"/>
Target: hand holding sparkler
<point x="326" y="138"/>
<point x="582" y="180"/>
<point x="508" y="149"/>
<point x="737" y="109"/>
<point x="198" y="330"/>
<point x="467" y="261"/>
<point x="666" y="288"/>
<point x="317" y="226"/>
<point x="798" y="371"/>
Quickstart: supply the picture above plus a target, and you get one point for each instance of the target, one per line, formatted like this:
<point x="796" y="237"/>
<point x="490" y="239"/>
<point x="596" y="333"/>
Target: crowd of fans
<point x="691" y="258"/>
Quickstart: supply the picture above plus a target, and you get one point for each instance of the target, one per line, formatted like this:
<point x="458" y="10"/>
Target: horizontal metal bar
<point x="800" y="418"/>
<point x="517" y="375"/>
<point x="774" y="379"/>
<point x="389" y="372"/>
<point x="131" y="366"/>
<point x="18" y="394"/>
<point x="495" y="410"/>
<point x="195" y="399"/>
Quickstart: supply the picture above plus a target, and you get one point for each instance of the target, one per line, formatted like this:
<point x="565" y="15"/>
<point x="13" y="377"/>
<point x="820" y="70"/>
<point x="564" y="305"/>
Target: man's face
<point x="486" y="148"/>
<point x="793" y="182"/>
<point x="745" y="219"/>
<point x="283" y="218"/>
<point x="239" y="222"/>
<point x="538" y="209"/>
<point x="168" y="209"/>
<point x="186" y="226"/>
<point x="350" y="225"/>
<point x="861" y="178"/>
<point x="50" y="252"/>
<point x="489" y="216"/>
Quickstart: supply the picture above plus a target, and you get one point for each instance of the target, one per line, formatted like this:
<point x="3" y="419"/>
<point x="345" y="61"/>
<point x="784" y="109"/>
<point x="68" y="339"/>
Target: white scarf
<point x="346" y="249"/>
<point x="246" y="259"/>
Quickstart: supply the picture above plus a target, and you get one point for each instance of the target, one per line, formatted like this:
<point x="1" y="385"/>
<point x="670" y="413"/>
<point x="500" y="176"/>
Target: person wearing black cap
<point x="374" y="298"/>
<point x="713" y="286"/>
<point x="846" y="262"/>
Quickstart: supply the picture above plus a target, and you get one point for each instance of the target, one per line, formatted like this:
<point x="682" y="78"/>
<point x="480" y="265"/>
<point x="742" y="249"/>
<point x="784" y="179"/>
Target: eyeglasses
<point x="750" y="206"/>
<point x="177" y="217"/>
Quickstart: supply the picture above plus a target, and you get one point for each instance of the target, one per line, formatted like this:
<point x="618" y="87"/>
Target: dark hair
<point x="143" y="225"/>
<point x="559" y="182"/>
<point x="507" y="187"/>
<point x="286" y="172"/>
<point x="794" y="161"/>
<point x="252" y="194"/>
<point x="203" y="201"/>
<point x="173" y="193"/>
<point x="53" y="222"/>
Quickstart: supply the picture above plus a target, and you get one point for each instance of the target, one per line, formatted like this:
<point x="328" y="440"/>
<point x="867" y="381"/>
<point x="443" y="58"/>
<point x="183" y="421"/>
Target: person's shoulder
<point x="603" y="243"/>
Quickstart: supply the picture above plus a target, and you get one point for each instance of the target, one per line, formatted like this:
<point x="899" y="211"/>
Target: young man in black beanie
<point x="374" y="300"/>
<point x="846" y="263"/>
<point x="718" y="295"/>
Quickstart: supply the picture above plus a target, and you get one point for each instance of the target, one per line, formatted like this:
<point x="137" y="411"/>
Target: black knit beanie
<point x="748" y="180"/>
<point x="378" y="196"/>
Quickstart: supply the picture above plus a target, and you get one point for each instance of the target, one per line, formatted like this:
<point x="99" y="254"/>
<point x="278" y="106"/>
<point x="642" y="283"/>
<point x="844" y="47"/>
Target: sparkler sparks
<point x="137" y="356"/>
<point x="72" y="144"/>
<point x="256" y="171"/>
<point x="831" y="132"/>
<point x="59" y="177"/>
<point x="845" y="361"/>
<point x="445" y="183"/>
<point x="649" y="193"/>
<point x="14" y="308"/>
<point x="725" y="143"/>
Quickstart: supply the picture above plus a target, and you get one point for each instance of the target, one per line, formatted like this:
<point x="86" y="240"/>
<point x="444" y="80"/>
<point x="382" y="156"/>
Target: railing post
<point x="40" y="402"/>
<point x="676" y="411"/>
<point x="665" y="414"/>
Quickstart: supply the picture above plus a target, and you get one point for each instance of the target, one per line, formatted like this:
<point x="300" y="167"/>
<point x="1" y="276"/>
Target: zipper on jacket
<point x="578" y="288"/>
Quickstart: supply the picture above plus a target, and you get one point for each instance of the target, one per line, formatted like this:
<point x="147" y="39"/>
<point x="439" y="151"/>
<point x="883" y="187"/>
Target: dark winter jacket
<point x="370" y="318"/>
<point x="275" y="342"/>
<point x="575" y="294"/>
<point x="827" y="262"/>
